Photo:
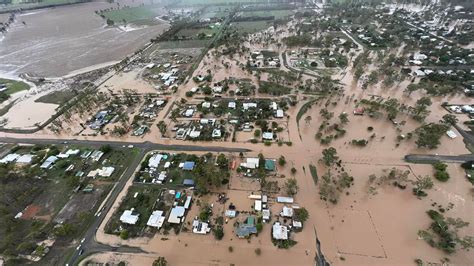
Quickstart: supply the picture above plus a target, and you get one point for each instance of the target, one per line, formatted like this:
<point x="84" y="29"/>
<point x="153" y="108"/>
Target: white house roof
<point x="155" y="160"/>
<point x="10" y="158"/>
<point x="258" y="205"/>
<point x="176" y="214"/>
<point x="128" y="217"/>
<point x="279" y="232"/>
<point x="267" y="135"/>
<point x="279" y="113"/>
<point x="266" y="214"/>
<point x="156" y="219"/>
<point x="26" y="158"/>
<point x="250" y="163"/>
<point x="286" y="212"/>
<point x="200" y="227"/>
<point x="49" y="161"/>
<point x="284" y="200"/>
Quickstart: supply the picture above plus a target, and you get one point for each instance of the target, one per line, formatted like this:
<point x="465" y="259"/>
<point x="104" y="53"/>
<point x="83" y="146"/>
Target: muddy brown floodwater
<point x="56" y="41"/>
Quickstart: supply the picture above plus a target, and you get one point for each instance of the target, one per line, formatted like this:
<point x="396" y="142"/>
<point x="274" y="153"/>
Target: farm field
<point x="278" y="14"/>
<point x="251" y="26"/>
<point x="14" y="86"/>
<point x="136" y="15"/>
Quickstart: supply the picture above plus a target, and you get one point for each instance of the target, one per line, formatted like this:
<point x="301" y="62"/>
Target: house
<point x="156" y="219"/>
<point x="105" y="171"/>
<point x="176" y="215"/>
<point x="286" y="212"/>
<point x="231" y="105"/>
<point x="25" y="159"/>
<point x="10" y="158"/>
<point x="194" y="133"/>
<point x="258" y="205"/>
<point x="270" y="164"/>
<point x="188" y="182"/>
<point x="217" y="89"/>
<point x="189" y="112"/>
<point x="155" y="160"/>
<point x="188" y="165"/>
<point x="285" y="200"/>
<point x="247" y="106"/>
<point x="266" y="215"/>
<point x="216" y="133"/>
<point x="297" y="225"/>
<point x="251" y="163"/>
<point x="201" y="228"/>
<point x="279" y="113"/>
<point x="49" y="162"/>
<point x="230" y="213"/>
<point x="128" y="217"/>
<point x="267" y="135"/>
<point x="96" y="155"/>
<point x="187" y="203"/>
<point x="244" y="230"/>
<point x="206" y="105"/>
<point x="279" y="232"/>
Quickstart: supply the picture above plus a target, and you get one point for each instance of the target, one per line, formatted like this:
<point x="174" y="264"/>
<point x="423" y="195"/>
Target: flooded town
<point x="237" y="132"/>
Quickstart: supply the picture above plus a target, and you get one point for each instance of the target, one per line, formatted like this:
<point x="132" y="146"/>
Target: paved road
<point x="143" y="145"/>
<point x="428" y="158"/>
<point x="90" y="245"/>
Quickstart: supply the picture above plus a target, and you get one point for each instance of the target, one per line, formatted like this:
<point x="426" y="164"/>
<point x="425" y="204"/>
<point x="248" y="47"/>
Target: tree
<point x="124" y="234"/>
<point x="282" y="161"/>
<point x="222" y="161"/>
<point x="110" y="22"/>
<point x="301" y="214"/>
<point x="218" y="232"/>
<point x="420" y="111"/>
<point x="449" y="119"/>
<point x="429" y="135"/>
<point x="162" y="127"/>
<point x="308" y="119"/>
<point x="421" y="184"/>
<point x="106" y="148"/>
<point x="291" y="187"/>
<point x="161" y="261"/>
<point x="329" y="156"/>
<point x="343" y="117"/>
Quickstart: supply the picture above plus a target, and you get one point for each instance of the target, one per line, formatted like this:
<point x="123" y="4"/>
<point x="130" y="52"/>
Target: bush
<point x="218" y="232"/>
<point x="124" y="234"/>
<point x="258" y="251"/>
<point x="442" y="176"/>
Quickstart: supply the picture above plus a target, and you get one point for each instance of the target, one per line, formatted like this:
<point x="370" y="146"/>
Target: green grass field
<point x="251" y="26"/>
<point x="278" y="14"/>
<point x="139" y="14"/>
<point x="183" y="44"/>
<point x="14" y="86"/>
<point x="57" y="97"/>
<point x="218" y="2"/>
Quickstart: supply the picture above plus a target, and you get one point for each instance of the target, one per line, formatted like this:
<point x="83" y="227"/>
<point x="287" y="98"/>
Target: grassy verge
<point x="14" y="86"/>
<point x="314" y="173"/>
<point x="57" y="97"/>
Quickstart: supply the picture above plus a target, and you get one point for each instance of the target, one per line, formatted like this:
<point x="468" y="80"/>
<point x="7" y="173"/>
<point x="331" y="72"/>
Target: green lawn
<point x="278" y="14"/>
<point x="131" y="15"/>
<point x="57" y="97"/>
<point x="251" y="26"/>
<point x="14" y="86"/>
<point x="183" y="44"/>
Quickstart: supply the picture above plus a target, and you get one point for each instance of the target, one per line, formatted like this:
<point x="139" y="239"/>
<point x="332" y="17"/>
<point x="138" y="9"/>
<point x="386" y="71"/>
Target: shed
<point x="177" y="213"/>
<point x="270" y="165"/>
<point x="156" y="219"/>
<point x="188" y="182"/>
<point x="188" y="165"/>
